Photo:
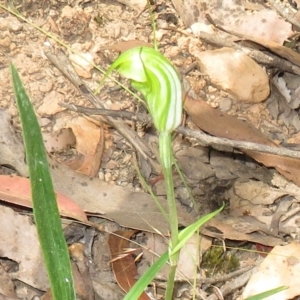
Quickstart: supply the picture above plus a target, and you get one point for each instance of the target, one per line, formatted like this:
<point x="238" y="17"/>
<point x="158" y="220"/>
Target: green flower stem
<point x="171" y="280"/>
<point x="158" y="81"/>
<point x="166" y="159"/>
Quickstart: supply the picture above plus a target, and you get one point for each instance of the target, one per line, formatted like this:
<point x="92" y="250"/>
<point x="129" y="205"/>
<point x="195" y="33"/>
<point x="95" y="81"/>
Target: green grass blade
<point x="267" y="294"/>
<point x="185" y="234"/>
<point x="46" y="215"/>
<point x="147" y="277"/>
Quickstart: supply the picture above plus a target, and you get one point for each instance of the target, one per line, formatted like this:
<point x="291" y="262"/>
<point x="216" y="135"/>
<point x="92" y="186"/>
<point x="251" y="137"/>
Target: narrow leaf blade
<point x="147" y="277"/>
<point x="187" y="233"/>
<point x="45" y="208"/>
<point x="267" y="294"/>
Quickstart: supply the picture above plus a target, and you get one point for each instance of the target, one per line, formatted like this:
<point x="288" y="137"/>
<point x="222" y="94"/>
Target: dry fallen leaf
<point x="223" y="125"/>
<point x="126" y="207"/>
<point x="82" y="62"/>
<point x="280" y="268"/>
<point x="188" y="259"/>
<point x="234" y="16"/>
<point x="89" y="144"/>
<point x="240" y="229"/>
<point x="11" y="149"/>
<point x="280" y="50"/>
<point x="126" y="45"/>
<point x="19" y="243"/>
<point x="123" y="264"/>
<point x="17" y="190"/>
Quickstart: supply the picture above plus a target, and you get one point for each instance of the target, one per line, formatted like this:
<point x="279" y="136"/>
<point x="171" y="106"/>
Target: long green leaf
<point x="185" y="234"/>
<point x="46" y="215"/>
<point x="267" y="294"/>
<point x="147" y="277"/>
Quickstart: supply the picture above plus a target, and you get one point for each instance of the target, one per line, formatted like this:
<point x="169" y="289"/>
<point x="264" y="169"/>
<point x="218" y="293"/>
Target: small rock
<point x="198" y="27"/>
<point x="112" y="164"/>
<point x="192" y="163"/>
<point x="107" y="177"/>
<point x="44" y="122"/>
<point x="236" y="73"/>
<point x="5" y="42"/>
<point x="12" y="46"/>
<point x="224" y="104"/>
<point x="50" y="104"/>
<point x="46" y="87"/>
<point x="101" y="175"/>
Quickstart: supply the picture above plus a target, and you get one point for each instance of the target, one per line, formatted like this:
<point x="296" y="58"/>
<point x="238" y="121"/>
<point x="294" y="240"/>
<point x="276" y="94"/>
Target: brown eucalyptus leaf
<point x="17" y="190"/>
<point x="123" y="264"/>
<point x="126" y="207"/>
<point x="234" y="15"/>
<point x="220" y="124"/>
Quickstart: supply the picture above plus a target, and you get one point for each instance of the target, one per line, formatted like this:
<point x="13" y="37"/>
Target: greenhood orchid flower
<point x="158" y="81"/>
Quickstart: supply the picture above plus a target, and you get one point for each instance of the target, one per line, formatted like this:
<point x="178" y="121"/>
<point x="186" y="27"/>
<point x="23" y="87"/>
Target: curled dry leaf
<point x="123" y="266"/>
<point x="89" y="144"/>
<point x="59" y="140"/>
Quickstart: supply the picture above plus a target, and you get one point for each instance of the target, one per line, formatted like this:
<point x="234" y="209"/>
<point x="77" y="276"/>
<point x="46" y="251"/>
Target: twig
<point x="203" y="138"/>
<point x="144" y="118"/>
<point x="207" y="140"/>
<point x="61" y="61"/>
<point x="226" y="277"/>
<point x="231" y="286"/>
<point x="221" y="278"/>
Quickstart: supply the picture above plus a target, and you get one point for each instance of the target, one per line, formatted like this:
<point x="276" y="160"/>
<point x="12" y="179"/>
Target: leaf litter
<point x="263" y="206"/>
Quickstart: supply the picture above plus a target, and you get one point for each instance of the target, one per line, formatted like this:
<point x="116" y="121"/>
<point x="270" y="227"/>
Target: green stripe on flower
<point x="158" y="81"/>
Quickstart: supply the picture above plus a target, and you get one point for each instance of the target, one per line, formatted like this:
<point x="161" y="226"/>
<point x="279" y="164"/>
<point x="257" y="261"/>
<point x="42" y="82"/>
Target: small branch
<point x="226" y="277"/>
<point x="144" y="118"/>
<point x="230" y="286"/>
<point x="207" y="140"/>
<point x="203" y="138"/>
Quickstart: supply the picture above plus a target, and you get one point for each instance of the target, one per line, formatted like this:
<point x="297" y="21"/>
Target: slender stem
<point x="153" y="25"/>
<point x="166" y="159"/>
<point x="170" y="283"/>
